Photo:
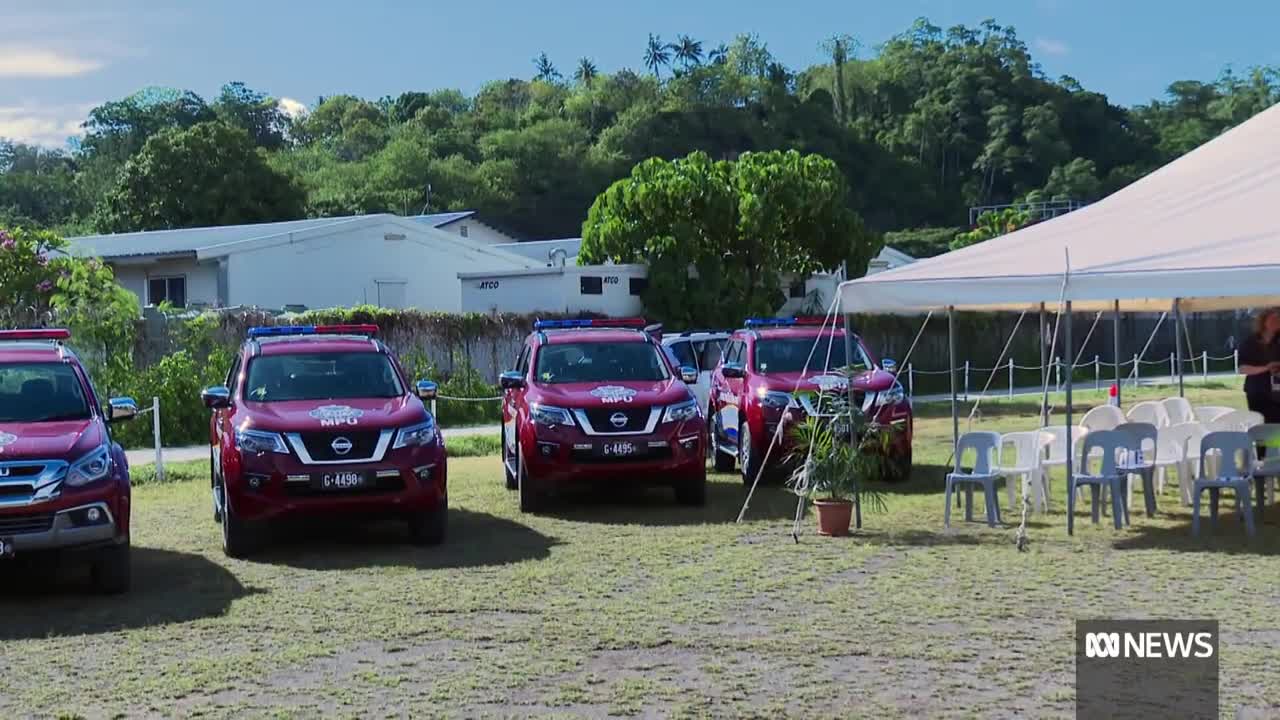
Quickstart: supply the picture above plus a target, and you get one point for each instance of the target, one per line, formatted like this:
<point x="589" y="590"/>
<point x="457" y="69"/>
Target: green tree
<point x="992" y="224"/>
<point x="686" y="51"/>
<point x="210" y="174"/>
<point x="254" y="112"/>
<point x="718" y="236"/>
<point x="657" y="54"/>
<point x="546" y="70"/>
<point x="586" y="73"/>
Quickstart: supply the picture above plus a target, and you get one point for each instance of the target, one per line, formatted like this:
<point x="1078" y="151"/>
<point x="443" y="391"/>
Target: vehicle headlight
<point x="774" y="399"/>
<point x="94" y="466"/>
<point x="550" y="416"/>
<point x="682" y="411"/>
<point x="257" y="441"/>
<point x="424" y="433"/>
<point x="892" y="396"/>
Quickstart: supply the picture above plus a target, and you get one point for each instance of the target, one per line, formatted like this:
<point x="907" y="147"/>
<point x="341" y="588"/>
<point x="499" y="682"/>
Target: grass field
<point x="626" y="604"/>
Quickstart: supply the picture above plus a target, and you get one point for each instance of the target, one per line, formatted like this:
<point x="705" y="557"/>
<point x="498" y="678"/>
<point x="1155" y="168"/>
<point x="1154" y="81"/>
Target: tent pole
<point x="1177" y="343"/>
<point x="951" y="372"/>
<point x="853" y="439"/>
<point x="1044" y="368"/>
<point x="1066" y="339"/>
<point x="1115" y="344"/>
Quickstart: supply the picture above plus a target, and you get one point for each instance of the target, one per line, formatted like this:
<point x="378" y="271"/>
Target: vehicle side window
<point x="709" y="354"/>
<point x="734" y="355"/>
<point x="522" y="363"/>
<point x="233" y="373"/>
<point x="682" y="352"/>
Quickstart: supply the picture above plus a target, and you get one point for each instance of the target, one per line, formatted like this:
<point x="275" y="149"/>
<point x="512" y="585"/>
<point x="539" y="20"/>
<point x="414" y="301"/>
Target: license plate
<point x="619" y="449"/>
<point x="6" y="548"/>
<point x="338" y="481"/>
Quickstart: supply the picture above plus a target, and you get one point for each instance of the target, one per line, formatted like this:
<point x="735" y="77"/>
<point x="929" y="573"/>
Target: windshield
<point x="599" y="362"/>
<point x="41" y="392"/>
<point x="321" y="376"/>
<point x="785" y="355"/>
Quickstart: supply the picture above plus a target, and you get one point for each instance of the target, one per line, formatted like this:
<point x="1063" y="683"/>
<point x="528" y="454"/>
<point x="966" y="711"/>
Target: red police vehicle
<point x="64" y="483"/>
<point x="320" y="420"/>
<point x="600" y="400"/>
<point x="762" y="382"/>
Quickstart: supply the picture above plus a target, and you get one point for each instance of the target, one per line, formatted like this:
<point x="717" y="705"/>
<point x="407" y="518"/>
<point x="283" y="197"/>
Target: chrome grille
<point x="27" y="482"/>
<point x="21" y="524"/>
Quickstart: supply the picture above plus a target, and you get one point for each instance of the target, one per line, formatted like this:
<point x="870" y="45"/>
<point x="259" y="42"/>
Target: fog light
<point x="256" y="481"/>
<point x="423" y="472"/>
<point x="94" y="515"/>
<point x="547" y="449"/>
<point x="689" y="443"/>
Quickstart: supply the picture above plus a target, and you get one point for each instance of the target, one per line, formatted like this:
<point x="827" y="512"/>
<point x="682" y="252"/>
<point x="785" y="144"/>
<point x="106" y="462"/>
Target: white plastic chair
<point x="1056" y="452"/>
<point x="1103" y="417"/>
<point x="1235" y="421"/>
<point x="1171" y="452"/>
<point x="1150" y="412"/>
<point x="1209" y="413"/>
<point x="1021" y="455"/>
<point x="1188" y="470"/>
<point x="1178" y="411"/>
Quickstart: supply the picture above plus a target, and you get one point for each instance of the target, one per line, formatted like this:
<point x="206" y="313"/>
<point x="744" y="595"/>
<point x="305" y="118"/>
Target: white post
<point x="155" y="430"/>
<point x="911" y="380"/>
<point x="966" y="379"/>
<point x="1097" y="372"/>
<point x="1010" y="377"/>
<point x="1057" y="375"/>
<point x="1173" y="367"/>
<point x="1235" y="356"/>
<point x="433" y="411"/>
<point x="1137" y="372"/>
<point x="1204" y="364"/>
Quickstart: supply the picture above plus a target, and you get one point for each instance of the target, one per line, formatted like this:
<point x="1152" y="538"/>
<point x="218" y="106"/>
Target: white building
<point x="382" y="260"/>
<point x="466" y="224"/>
<point x="560" y="285"/>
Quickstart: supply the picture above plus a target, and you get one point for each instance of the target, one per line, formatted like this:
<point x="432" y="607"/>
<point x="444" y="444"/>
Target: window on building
<point x="639" y="285"/>
<point x="172" y="290"/>
<point x="592" y="285"/>
<point x="797" y="289"/>
<point x="391" y="293"/>
<point x="462" y="230"/>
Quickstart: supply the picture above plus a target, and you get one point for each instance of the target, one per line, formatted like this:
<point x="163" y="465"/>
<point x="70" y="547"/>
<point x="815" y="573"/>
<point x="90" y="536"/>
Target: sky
<point x="59" y="58"/>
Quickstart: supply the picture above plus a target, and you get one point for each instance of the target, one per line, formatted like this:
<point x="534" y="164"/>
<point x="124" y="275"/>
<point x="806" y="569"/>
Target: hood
<point x="347" y="414"/>
<point x="64" y="440"/>
<point x="614" y="393"/>
<point x="874" y="380"/>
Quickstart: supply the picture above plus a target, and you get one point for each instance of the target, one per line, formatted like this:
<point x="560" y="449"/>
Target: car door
<point x="707" y="353"/>
<point x="726" y="393"/>
<point x="513" y="403"/>
<point x="220" y="418"/>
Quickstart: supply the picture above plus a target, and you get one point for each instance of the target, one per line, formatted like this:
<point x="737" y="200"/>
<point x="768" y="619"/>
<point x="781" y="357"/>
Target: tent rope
<point x="999" y="365"/>
<point x="1087" y="337"/>
<point x="1146" y="347"/>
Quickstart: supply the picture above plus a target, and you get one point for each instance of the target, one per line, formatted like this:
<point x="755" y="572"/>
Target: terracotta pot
<point x="834" y="516"/>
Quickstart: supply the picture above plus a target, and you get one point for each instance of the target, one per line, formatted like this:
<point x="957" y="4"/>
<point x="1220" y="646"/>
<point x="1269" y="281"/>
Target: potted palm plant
<point x="835" y="457"/>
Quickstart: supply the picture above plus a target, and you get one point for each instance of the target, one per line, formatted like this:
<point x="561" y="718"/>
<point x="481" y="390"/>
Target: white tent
<point x="1204" y="228"/>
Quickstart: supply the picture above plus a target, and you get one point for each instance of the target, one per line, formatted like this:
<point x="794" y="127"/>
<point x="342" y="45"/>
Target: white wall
<point x="477" y="232"/>
<point x="202" y="277"/>
<point x="556" y="290"/>
<point x="351" y="266"/>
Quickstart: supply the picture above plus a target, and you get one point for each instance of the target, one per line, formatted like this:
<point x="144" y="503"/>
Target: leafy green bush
<point x="177" y="380"/>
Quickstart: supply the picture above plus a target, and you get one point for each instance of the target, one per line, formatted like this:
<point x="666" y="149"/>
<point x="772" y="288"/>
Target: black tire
<point x="513" y="483"/>
<point x="748" y="456"/>
<point x="722" y="461"/>
<point x="112" y="571"/>
<point x="213" y="487"/>
<point x="530" y="498"/>
<point x="693" y="491"/>
<point x="240" y="539"/>
<point x="428" y="528"/>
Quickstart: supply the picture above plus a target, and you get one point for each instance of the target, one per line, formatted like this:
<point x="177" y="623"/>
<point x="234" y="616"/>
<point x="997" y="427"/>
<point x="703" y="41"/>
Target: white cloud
<point x="292" y="108"/>
<point x="40" y="63"/>
<point x="47" y="125"/>
<point x="1049" y="46"/>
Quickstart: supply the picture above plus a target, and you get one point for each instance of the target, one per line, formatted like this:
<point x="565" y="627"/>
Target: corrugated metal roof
<point x="187" y="240"/>
<point x="442" y="219"/>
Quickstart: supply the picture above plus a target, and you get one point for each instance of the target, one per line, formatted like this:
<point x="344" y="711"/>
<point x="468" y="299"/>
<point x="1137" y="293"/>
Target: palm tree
<point x="547" y="71"/>
<point x="656" y="54"/>
<point x="687" y="50"/>
<point x="586" y="72"/>
<point x="718" y="55"/>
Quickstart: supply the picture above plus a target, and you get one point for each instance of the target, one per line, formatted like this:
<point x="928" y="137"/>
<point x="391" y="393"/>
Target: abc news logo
<point x="1149" y="645"/>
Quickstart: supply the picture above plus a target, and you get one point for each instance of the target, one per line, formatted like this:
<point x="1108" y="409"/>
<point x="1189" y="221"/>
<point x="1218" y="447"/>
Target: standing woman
<point x="1260" y="365"/>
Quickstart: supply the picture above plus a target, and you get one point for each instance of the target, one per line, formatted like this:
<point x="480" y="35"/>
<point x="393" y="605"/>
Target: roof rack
<point x="705" y="331"/>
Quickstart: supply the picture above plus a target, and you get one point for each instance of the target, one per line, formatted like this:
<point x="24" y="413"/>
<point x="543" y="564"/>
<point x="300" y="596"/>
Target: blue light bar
<point x="274" y="330"/>
<point x="770" y="322"/>
<point x="638" y="323"/>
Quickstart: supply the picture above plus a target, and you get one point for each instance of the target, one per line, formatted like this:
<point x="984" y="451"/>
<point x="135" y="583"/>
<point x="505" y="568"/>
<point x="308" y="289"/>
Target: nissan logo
<point x="341" y="445"/>
<point x="618" y="420"/>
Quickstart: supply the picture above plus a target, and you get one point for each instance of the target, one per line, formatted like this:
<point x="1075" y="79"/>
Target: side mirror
<point x="733" y="370"/>
<point x="888" y="364"/>
<point x="218" y="396"/>
<point x="511" y="380"/>
<point x="426" y="390"/>
<point x="688" y="375"/>
<point x="120" y="409"/>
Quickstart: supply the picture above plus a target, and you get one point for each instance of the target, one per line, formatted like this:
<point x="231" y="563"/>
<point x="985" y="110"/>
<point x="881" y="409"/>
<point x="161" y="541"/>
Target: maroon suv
<point x="64" y="483"/>
<point x="320" y="420"/>
<point x="600" y="401"/>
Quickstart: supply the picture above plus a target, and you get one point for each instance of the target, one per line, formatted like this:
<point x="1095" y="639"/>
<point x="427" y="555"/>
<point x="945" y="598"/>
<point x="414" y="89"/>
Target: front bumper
<point x="567" y="455"/>
<point x="36" y="530"/>
<point x="267" y="486"/>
